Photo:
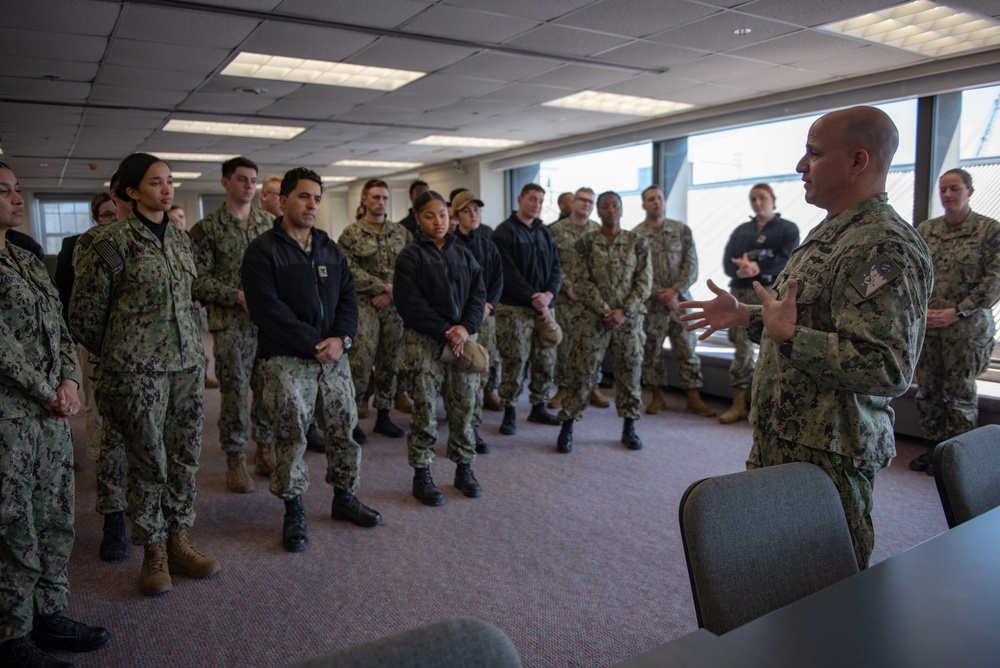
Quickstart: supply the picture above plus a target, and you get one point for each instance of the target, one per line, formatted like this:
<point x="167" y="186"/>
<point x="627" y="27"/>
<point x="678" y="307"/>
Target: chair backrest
<point x="452" y="643"/>
<point x="967" y="472"/>
<point x="760" y="539"/>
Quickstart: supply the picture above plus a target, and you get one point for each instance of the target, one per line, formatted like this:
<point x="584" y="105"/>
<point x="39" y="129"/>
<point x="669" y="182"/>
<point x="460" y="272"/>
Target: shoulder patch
<point x="198" y="232"/>
<point x="994" y="240"/>
<point x="879" y="273"/>
<point x="86" y="238"/>
<point x="110" y="255"/>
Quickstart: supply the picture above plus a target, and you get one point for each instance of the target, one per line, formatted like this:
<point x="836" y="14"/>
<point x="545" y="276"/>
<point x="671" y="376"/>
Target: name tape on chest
<point x="878" y="274"/>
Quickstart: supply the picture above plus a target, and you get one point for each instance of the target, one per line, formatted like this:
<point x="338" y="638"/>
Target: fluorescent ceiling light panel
<point x="185" y="175"/>
<point x="922" y="27"/>
<point x="233" y="129"/>
<point x="466" y="142"/>
<point x="612" y="103"/>
<point x="337" y="179"/>
<point x="323" y="72"/>
<point x="387" y="164"/>
<point x="194" y="157"/>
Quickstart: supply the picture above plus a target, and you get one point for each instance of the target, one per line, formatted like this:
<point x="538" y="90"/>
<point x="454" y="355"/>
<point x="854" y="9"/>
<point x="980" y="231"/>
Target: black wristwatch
<point x="348" y="342"/>
<point x="962" y="315"/>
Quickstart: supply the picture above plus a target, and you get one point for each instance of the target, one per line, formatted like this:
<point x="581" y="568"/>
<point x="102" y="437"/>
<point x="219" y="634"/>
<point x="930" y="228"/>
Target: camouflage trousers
<point x="487" y="338"/>
<point x="660" y="324"/>
<point x="238" y="370"/>
<point x="947" y="398"/>
<point x="430" y="378"/>
<point x="568" y="315"/>
<point x="85" y="373"/>
<point x="293" y="388"/>
<point x="518" y="346"/>
<point x="378" y="344"/>
<point x="36" y="519"/>
<point x="592" y="342"/>
<point x="111" y="466"/>
<point x="853" y="478"/>
<point x="741" y="369"/>
<point x="160" y="416"/>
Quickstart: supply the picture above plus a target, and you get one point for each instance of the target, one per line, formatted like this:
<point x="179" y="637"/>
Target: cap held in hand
<point x="549" y="332"/>
<point x="474" y="359"/>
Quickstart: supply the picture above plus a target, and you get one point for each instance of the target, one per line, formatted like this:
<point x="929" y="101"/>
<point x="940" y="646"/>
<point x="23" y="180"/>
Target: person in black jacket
<point x="300" y="294"/>
<point x="757" y="251"/>
<point x="440" y="296"/>
<point x="478" y="239"/>
<point x="531" y="278"/>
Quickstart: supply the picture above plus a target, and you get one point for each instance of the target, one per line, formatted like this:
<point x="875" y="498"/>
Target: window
<point x="60" y="216"/>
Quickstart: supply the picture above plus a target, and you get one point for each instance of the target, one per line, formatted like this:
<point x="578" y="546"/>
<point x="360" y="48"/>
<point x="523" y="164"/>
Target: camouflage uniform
<point x="132" y="302"/>
<point x="36" y="451"/>
<point x="293" y="388"/>
<point x="372" y="257"/>
<point x="608" y="275"/>
<point x="967" y="278"/>
<point x="675" y="265"/>
<point x="864" y="277"/>
<point x="219" y="241"/>
<point x="568" y="311"/>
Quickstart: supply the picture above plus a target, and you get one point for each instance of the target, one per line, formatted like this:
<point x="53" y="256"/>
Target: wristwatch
<point x="962" y="315"/>
<point x="348" y="342"/>
<point x="628" y="313"/>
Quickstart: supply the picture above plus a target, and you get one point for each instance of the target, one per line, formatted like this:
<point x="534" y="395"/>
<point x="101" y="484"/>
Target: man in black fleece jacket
<point x="300" y="294"/>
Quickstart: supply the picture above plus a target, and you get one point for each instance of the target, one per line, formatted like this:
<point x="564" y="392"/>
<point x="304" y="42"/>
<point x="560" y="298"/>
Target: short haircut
<point x="609" y="193"/>
<point x="417" y="184"/>
<point x="648" y="188"/>
<point x="273" y="178"/>
<point x="95" y="204"/>
<point x="373" y="183"/>
<point x="293" y="176"/>
<point x="765" y="186"/>
<point x="174" y="207"/>
<point x="965" y="176"/>
<point x="528" y="187"/>
<point x="451" y="197"/>
<point x="424" y="198"/>
<point x="230" y="166"/>
<point x="584" y="189"/>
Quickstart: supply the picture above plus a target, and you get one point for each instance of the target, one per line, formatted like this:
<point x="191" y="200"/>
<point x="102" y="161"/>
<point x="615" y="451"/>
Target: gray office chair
<point x="452" y="643"/>
<point x="967" y="473"/>
<point x="760" y="539"/>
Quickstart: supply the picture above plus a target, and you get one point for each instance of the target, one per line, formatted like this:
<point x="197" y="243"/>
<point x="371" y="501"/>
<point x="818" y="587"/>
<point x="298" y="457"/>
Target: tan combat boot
<point x="491" y="401"/>
<point x="155" y="576"/>
<point x="697" y="406"/>
<point x="738" y="411"/>
<point x="597" y="399"/>
<point x="659" y="402"/>
<point x="237" y="476"/>
<point x="264" y="461"/>
<point x="557" y="398"/>
<point x="186" y="560"/>
<point x="402" y="404"/>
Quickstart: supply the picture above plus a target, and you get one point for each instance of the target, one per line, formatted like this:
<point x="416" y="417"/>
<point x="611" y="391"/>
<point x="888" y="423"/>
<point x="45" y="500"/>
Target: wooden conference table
<point x="935" y="605"/>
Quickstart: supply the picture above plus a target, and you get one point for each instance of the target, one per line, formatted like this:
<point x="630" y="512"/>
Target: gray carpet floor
<point x="576" y="557"/>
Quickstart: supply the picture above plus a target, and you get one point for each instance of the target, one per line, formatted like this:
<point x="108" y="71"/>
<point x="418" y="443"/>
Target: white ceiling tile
<point x="377" y="114"/>
<point x="152" y="97"/>
<point x="299" y="41"/>
<point x="467" y="24"/>
<point x="450" y="86"/>
<point x="141" y="77"/>
<point x="482" y="108"/>
<point x="330" y="133"/>
<point x="705" y="94"/>
<point x="236" y="103"/>
<point x="526" y="94"/>
<point x="793" y="48"/>
<point x="266" y="88"/>
<point x="580" y="77"/>
<point x="333" y="94"/>
<point x="74" y="17"/>
<point x="984" y="7"/>
<point x="36" y="68"/>
<point x="716" y="33"/>
<point x="41" y="89"/>
<point x="404" y="100"/>
<point x="810" y="14"/>
<point x="125" y="118"/>
<point x="16" y="112"/>
<point x="712" y="68"/>
<point x="861" y="61"/>
<point x="129" y="52"/>
<point x="183" y="27"/>
<point x="778" y="79"/>
<point x="38" y="44"/>
<point x="531" y="9"/>
<point x="658" y="86"/>
<point x="410" y="54"/>
<point x="650" y="54"/>
<point x="562" y="39"/>
<point x="387" y="14"/>
<point x="255" y="5"/>
<point x="635" y="18"/>
<point x="500" y="66"/>
<point x="304" y="109"/>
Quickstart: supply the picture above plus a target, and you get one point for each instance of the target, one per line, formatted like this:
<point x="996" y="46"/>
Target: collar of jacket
<point x="830" y="228"/>
<point x="320" y="238"/>
<point x="422" y="238"/>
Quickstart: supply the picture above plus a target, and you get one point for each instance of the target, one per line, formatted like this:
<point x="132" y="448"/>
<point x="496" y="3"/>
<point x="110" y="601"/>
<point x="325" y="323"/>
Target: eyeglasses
<point x="107" y="215"/>
<point x="271" y="192"/>
<point x="585" y="200"/>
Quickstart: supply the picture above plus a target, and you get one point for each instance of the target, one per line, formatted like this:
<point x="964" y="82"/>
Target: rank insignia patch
<point x="880" y="272"/>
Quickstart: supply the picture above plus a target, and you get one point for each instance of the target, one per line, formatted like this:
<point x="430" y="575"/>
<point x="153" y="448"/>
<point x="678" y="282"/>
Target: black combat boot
<point x="466" y="482"/>
<point x="114" y="545"/>
<point x="509" y="426"/>
<point x="347" y="507"/>
<point x="21" y="652"/>
<point x="56" y="631"/>
<point x="565" y="442"/>
<point x="541" y="416"/>
<point x="314" y="440"/>
<point x="424" y="489"/>
<point x="359" y="435"/>
<point x="482" y="447"/>
<point x="629" y="437"/>
<point x="293" y="535"/>
<point x="384" y="426"/>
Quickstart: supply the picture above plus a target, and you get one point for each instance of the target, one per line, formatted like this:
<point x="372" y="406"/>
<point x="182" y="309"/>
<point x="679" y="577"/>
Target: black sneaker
<point x="114" y="545"/>
<point x="57" y="631"/>
<point x="359" y="435"/>
<point x="629" y="437"/>
<point x="541" y="416"/>
<point x="921" y="463"/>
<point x="565" y="442"/>
<point x="385" y="426"/>
<point x="482" y="447"/>
<point x="314" y="440"/>
<point x="21" y="652"/>
<point x="466" y="482"/>
<point x="294" y="537"/>
<point x="424" y="489"/>
<point x="347" y="507"/>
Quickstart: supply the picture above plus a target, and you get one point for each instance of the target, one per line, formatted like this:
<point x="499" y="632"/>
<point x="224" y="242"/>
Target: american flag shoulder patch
<point x="110" y="255"/>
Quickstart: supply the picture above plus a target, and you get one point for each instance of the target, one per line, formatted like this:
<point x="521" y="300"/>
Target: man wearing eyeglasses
<point x="567" y="231"/>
